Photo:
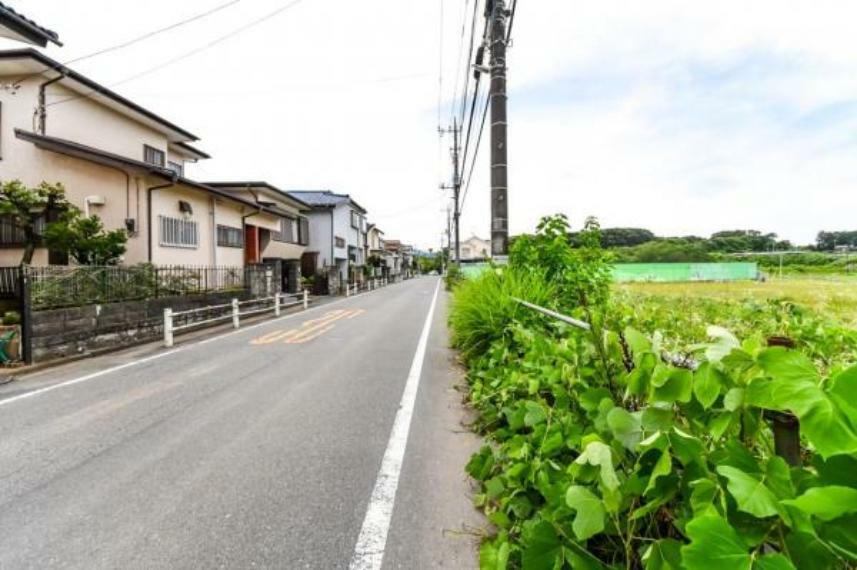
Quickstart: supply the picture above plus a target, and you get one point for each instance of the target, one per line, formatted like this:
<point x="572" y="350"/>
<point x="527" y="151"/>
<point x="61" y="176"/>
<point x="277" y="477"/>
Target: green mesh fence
<point x="678" y="272"/>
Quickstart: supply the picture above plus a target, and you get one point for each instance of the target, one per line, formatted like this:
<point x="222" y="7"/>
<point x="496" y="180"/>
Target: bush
<point x="11" y="318"/>
<point x="619" y="448"/>
<point x="482" y="309"/>
<point x="454" y="276"/>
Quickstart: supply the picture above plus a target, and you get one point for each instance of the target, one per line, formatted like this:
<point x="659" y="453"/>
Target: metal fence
<point x="59" y="286"/>
<point x="9" y="281"/>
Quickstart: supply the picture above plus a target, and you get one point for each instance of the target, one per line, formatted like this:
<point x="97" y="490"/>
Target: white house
<point x="337" y="230"/>
<point x="475" y="249"/>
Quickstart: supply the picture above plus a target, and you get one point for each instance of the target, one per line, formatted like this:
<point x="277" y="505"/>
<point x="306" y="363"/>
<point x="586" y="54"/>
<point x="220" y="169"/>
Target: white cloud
<point x="683" y="117"/>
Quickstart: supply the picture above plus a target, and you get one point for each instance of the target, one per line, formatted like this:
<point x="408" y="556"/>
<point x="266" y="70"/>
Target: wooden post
<point x="168" y="327"/>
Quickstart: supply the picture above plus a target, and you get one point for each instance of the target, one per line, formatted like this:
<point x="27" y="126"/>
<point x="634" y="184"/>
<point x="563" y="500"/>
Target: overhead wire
<point x="475" y="154"/>
<point x="153" y="33"/>
<point x="186" y="55"/>
<point x="133" y="41"/>
<point x="454" y="101"/>
<point x="467" y="67"/>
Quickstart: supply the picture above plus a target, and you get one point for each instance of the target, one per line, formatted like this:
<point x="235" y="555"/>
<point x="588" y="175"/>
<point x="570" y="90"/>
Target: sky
<point x="681" y="117"/>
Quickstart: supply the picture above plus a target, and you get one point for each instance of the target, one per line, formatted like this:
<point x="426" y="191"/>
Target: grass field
<point x="834" y="295"/>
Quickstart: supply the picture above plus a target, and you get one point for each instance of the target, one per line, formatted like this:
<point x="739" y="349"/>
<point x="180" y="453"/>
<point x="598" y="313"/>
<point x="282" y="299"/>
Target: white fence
<point x="231" y="311"/>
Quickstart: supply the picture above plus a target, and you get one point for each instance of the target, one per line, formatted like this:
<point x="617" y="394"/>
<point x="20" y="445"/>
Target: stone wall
<point x="62" y="333"/>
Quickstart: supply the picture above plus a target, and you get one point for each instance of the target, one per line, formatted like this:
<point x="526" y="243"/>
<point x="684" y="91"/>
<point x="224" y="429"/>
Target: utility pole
<point x="456" y="184"/>
<point x="496" y="11"/>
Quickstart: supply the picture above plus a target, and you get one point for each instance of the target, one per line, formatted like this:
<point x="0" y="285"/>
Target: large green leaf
<point x="788" y="365"/>
<point x="773" y="562"/>
<point x="750" y="494"/>
<point x="677" y="386"/>
<point x="664" y="554"/>
<point x="494" y="555"/>
<point x="723" y="342"/>
<point x="663" y="467"/>
<point x="542" y="548"/>
<point x="707" y="382"/>
<point x="794" y="386"/>
<point x="714" y="544"/>
<point x="626" y="427"/>
<point x="589" y="518"/>
<point x="600" y="455"/>
<point x="844" y="390"/>
<point x="827" y="503"/>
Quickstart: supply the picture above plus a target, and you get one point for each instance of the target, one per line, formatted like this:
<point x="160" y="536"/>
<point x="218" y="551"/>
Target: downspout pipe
<point x="43" y="106"/>
<point x="149" y="192"/>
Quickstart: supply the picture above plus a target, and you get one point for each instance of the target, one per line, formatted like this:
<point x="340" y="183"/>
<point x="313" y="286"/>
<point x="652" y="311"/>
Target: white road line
<point x="147" y="359"/>
<point x="369" y="551"/>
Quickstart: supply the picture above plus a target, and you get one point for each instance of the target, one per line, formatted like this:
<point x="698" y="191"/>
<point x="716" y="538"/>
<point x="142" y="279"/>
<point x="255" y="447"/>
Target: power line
<point x="190" y="53"/>
<point x="469" y="61"/>
<point x="454" y="101"/>
<point x="153" y="33"/>
<point x="475" y="152"/>
<point x="511" y="21"/>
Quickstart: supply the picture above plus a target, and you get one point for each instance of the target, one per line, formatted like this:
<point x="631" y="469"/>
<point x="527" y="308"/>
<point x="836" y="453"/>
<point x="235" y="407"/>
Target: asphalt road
<point x="256" y="449"/>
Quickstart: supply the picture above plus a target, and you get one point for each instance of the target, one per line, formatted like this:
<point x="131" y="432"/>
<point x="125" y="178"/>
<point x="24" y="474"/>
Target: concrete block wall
<point x="74" y="331"/>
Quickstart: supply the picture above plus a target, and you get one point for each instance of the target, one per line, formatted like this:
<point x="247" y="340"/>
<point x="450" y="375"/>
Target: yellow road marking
<point x="300" y="339"/>
<point x="308" y="329"/>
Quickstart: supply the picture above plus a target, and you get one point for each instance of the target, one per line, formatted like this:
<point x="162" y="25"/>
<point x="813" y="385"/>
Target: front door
<point x="251" y="244"/>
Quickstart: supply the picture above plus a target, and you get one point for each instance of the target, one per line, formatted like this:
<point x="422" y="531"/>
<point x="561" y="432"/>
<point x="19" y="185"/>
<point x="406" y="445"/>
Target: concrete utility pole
<point x="456" y="184"/>
<point x="496" y="11"/>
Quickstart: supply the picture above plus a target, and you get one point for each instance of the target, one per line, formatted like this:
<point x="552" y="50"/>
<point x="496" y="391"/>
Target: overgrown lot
<point x="675" y="433"/>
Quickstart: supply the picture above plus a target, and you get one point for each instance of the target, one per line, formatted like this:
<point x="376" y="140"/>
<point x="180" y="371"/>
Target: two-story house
<point x="286" y="245"/>
<point x="337" y="229"/>
<point x="119" y="161"/>
<point x="475" y="249"/>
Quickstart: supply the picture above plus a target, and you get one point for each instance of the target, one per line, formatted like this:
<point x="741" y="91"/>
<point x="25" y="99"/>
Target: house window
<point x="288" y="231"/>
<point x="176" y="167"/>
<point x="355" y="220"/>
<point x="230" y="237"/>
<point x="175" y="232"/>
<point x="340" y="243"/>
<point x="303" y="231"/>
<point x="11" y="234"/>
<point x="152" y="155"/>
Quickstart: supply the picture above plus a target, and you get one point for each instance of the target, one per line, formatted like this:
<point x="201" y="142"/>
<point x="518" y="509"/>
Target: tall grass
<point x="482" y="308"/>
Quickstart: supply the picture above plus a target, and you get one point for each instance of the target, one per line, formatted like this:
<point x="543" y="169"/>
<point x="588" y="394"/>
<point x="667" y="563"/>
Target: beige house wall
<point x="87" y="122"/>
<point x="228" y="213"/>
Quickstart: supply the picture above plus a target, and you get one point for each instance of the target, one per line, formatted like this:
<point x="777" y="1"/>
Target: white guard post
<point x="168" y="327"/>
<point x="236" y="319"/>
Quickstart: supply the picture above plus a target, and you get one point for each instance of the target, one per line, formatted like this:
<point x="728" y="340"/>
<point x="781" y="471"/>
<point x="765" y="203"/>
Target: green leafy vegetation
<point x="85" y="240"/>
<point x="28" y="208"/>
<point x="656" y="439"/>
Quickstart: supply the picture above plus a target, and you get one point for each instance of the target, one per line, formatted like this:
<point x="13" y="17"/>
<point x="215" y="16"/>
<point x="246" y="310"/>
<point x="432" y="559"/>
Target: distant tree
<point x="828" y="241"/>
<point x="618" y="237"/>
<point x="85" y="239"/>
<point x="667" y="250"/>
<point x="733" y="241"/>
<point x="27" y="208"/>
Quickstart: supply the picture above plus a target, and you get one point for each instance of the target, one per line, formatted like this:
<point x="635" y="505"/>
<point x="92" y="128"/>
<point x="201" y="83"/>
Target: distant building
<point x="475" y="249"/>
<point x="337" y="234"/>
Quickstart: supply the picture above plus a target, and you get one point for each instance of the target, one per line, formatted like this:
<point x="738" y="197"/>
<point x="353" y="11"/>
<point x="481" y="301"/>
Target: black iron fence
<point x="9" y="280"/>
<point x="54" y="287"/>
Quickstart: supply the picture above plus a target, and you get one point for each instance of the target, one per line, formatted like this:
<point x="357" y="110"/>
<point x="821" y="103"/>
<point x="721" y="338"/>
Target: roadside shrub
<point x="11" y="318"/>
<point x="454" y="276"/>
<point x="681" y="447"/>
<point x="483" y="308"/>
